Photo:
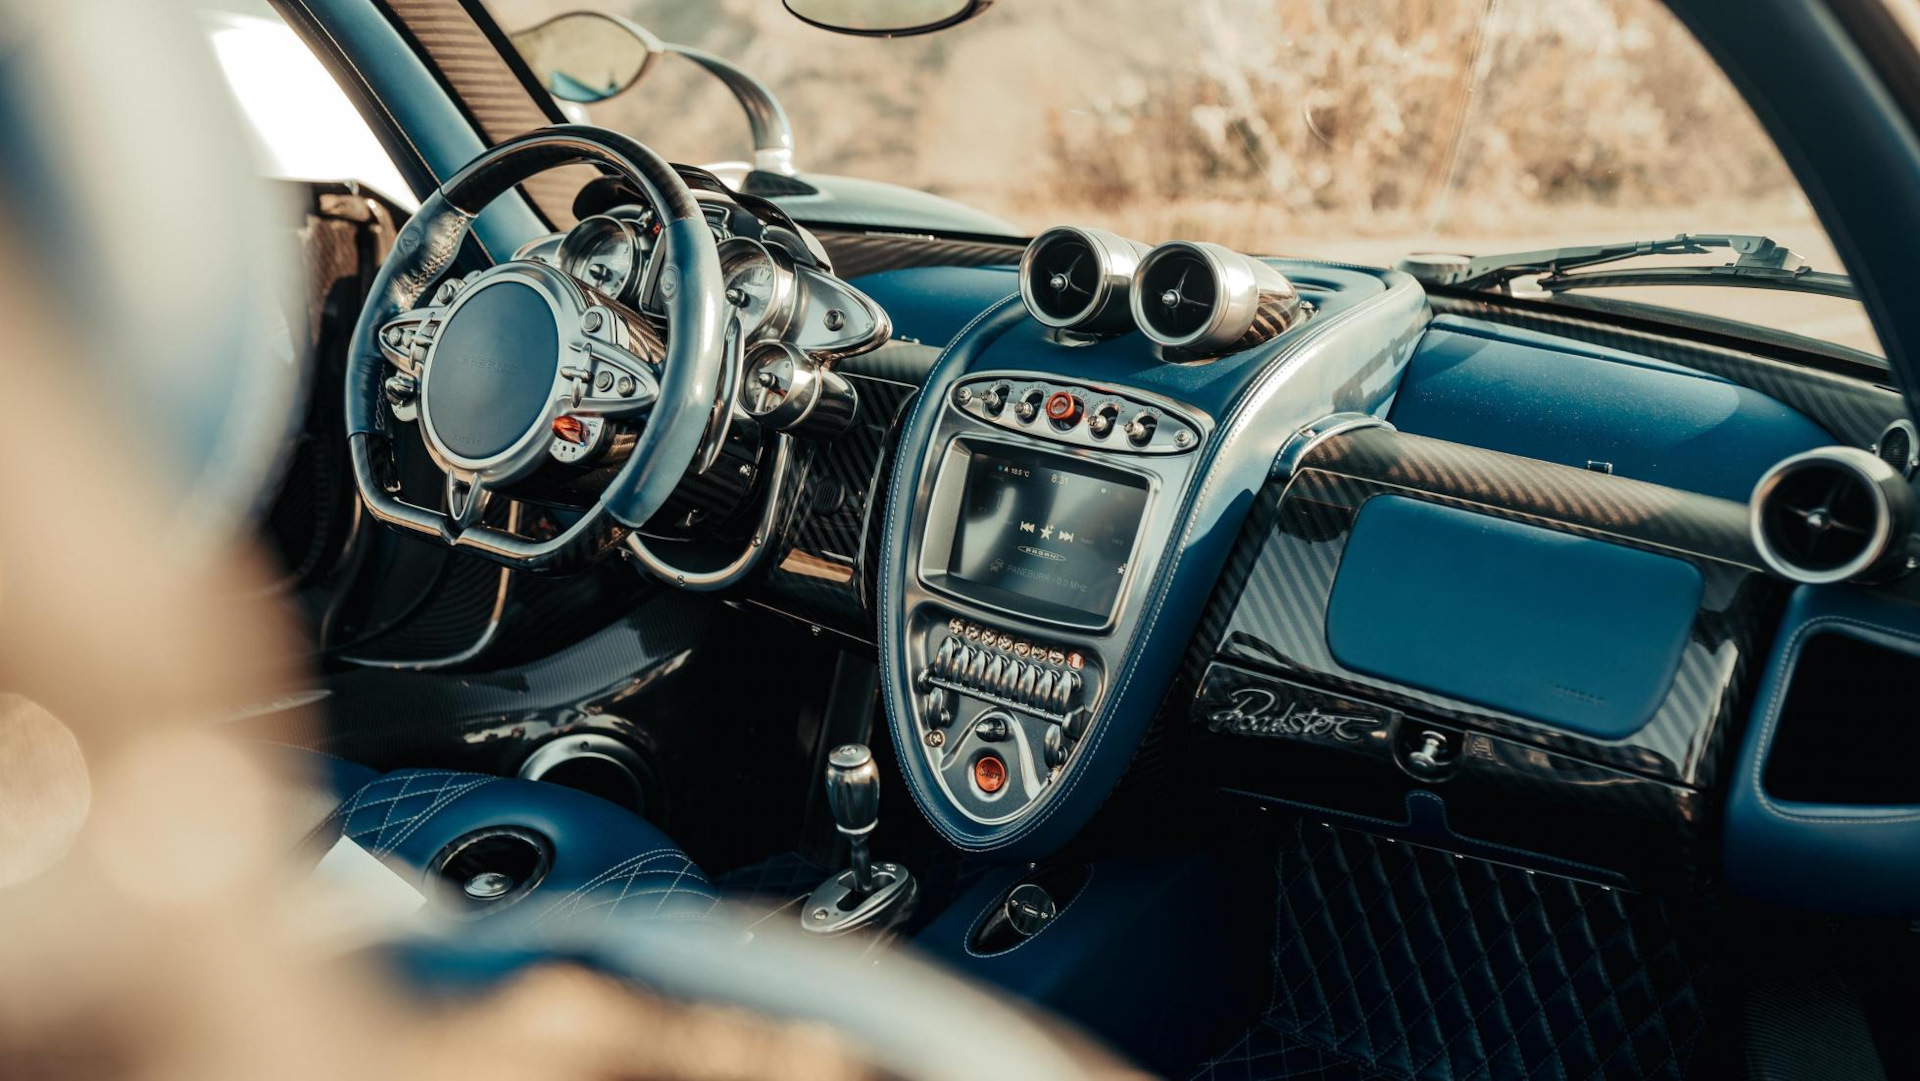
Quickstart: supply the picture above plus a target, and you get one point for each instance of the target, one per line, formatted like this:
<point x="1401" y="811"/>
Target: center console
<point x="1066" y="489"/>
<point x="1047" y="503"/>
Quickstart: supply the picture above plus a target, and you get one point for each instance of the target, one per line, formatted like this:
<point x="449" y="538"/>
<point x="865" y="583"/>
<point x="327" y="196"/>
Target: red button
<point x="570" y="429"/>
<point x="1063" y="408"/>
<point x="990" y="774"/>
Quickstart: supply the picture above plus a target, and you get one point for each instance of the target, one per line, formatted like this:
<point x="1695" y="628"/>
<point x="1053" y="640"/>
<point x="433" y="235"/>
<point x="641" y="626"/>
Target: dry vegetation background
<point x="1354" y="129"/>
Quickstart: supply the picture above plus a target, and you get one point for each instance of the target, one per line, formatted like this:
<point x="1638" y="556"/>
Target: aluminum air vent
<point x="1077" y="279"/>
<point x="1899" y="447"/>
<point x="1829" y="515"/>
<point x="1205" y="298"/>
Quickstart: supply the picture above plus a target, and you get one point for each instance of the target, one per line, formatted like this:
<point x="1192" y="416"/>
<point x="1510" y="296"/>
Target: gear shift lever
<point x="853" y="795"/>
<point x="869" y="894"/>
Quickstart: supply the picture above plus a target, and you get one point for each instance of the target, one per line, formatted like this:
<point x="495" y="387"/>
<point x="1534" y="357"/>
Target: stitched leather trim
<point x="405" y="801"/>
<point x="973" y="929"/>
<point x="1791" y="811"/>
<point x="636" y="878"/>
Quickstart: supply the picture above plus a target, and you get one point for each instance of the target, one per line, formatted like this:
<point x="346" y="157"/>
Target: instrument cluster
<point x="792" y="318"/>
<point x="608" y="252"/>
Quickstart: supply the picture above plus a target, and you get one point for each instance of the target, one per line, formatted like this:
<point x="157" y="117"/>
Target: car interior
<point x="1274" y="667"/>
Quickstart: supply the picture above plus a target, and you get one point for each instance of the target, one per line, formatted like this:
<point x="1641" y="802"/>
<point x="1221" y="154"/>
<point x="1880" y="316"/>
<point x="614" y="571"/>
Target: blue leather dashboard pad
<point x="931" y="303"/>
<point x="1573" y="632"/>
<point x="1568" y="402"/>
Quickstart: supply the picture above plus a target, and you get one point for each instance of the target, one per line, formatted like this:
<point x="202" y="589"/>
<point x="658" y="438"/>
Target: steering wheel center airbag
<point x="492" y="371"/>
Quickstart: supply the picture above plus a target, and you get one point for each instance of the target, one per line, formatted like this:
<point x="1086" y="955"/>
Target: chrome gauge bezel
<point x="575" y="250"/>
<point x="792" y="375"/>
<point x="735" y="254"/>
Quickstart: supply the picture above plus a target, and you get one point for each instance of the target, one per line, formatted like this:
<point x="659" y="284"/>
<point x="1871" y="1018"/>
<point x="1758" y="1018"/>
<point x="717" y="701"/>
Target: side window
<point x="303" y="125"/>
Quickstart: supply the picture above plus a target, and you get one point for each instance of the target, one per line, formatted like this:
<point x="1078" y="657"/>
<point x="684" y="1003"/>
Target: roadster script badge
<point x="1256" y="711"/>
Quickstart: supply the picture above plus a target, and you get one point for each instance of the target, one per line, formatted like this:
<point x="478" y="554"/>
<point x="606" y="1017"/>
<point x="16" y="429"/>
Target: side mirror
<point x="585" y="56"/>
<point x="885" y="18"/>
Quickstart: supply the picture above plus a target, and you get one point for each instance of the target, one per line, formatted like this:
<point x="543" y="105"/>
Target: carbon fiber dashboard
<point x="1283" y="720"/>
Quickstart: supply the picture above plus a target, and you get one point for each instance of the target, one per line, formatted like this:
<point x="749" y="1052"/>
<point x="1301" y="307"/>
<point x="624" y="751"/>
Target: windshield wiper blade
<point x="1803" y="280"/>
<point x="1763" y="262"/>
<point x="1725" y="275"/>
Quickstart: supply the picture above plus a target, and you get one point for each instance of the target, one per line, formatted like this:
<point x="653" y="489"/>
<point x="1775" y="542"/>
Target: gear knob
<point x="853" y="789"/>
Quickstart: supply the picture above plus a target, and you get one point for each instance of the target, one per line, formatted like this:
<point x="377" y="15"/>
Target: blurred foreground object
<point x="146" y="875"/>
<point x="162" y="274"/>
<point x="44" y="793"/>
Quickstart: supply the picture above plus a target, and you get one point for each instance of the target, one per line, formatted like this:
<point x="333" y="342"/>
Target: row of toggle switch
<point x="1076" y="414"/>
<point x="1019" y="647"/>
<point x="1065" y="409"/>
<point x="1028" y="683"/>
<point x="1039" y="679"/>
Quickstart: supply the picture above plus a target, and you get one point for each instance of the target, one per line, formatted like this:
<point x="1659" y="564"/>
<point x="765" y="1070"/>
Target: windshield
<point x="1355" y="130"/>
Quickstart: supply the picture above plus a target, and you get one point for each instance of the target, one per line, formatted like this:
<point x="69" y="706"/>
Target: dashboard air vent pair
<point x="1187" y="295"/>
<point x="1830" y="515"/>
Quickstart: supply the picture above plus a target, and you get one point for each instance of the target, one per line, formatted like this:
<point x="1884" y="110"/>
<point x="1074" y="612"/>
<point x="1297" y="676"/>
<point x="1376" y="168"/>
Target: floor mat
<point x="1392" y="961"/>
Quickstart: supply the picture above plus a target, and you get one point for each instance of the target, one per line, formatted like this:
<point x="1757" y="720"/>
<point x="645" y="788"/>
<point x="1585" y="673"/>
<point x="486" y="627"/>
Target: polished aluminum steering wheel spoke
<point x="467" y="499"/>
<point x="405" y="339"/>
<point x="604" y="379"/>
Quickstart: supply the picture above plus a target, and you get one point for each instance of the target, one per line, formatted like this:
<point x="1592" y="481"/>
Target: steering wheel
<point x="492" y="361"/>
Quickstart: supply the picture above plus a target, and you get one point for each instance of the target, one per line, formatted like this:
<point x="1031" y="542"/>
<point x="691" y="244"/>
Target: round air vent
<point x="1899" y="447"/>
<point x="490" y="869"/>
<point x="1829" y="514"/>
<point x="1209" y="299"/>
<point x="1077" y="279"/>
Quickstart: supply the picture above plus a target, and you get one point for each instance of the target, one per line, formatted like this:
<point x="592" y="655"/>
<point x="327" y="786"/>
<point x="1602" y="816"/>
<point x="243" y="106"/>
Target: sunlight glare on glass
<point x="304" y="126"/>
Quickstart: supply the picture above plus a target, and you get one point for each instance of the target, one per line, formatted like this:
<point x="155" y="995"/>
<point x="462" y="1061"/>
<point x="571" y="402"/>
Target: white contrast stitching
<point x="631" y="870"/>
<point x="886" y="573"/>
<point x="1778" y="693"/>
<point x="1001" y="900"/>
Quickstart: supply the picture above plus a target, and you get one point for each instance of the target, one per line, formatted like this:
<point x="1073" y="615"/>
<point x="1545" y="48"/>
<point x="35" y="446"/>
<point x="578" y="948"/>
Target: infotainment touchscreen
<point x="1048" y="528"/>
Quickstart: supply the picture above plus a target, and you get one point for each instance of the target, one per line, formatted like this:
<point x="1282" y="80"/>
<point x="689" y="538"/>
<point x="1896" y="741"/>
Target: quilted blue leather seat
<point x="607" y="864"/>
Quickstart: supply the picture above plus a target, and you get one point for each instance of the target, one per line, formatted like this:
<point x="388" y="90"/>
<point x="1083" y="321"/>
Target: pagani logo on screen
<point x="1043" y="553"/>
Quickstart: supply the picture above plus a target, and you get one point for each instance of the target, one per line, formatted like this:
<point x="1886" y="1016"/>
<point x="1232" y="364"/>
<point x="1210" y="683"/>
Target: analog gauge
<point x="774" y="377"/>
<point x="576" y="439"/>
<point x="758" y="288"/>
<point x="605" y="253"/>
<point x="789" y="391"/>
